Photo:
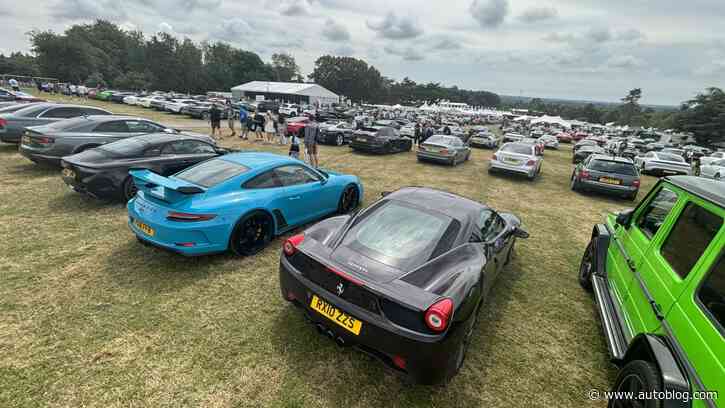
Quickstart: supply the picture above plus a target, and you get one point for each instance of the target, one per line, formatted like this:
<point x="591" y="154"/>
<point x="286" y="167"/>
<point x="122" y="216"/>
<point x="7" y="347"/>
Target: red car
<point x="564" y="137"/>
<point x="294" y="125"/>
<point x="579" y="136"/>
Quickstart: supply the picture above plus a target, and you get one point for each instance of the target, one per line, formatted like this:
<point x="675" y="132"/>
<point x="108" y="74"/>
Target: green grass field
<point x="89" y="317"/>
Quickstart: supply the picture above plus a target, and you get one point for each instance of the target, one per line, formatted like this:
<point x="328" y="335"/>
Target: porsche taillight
<point x="290" y="245"/>
<point x="439" y="314"/>
<point x="187" y="217"/>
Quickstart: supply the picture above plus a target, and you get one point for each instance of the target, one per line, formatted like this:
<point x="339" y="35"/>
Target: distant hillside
<point x="511" y="100"/>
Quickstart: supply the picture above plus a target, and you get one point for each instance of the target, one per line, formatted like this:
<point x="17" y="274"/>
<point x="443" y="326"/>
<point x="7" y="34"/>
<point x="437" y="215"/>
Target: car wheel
<point x="633" y="196"/>
<point x="586" y="267"/>
<point x="465" y="342"/>
<point x="638" y="378"/>
<point x="128" y="189"/>
<point x="205" y="115"/>
<point x="339" y="139"/>
<point x="716" y="177"/>
<point x="349" y="200"/>
<point x="574" y="185"/>
<point x="251" y="234"/>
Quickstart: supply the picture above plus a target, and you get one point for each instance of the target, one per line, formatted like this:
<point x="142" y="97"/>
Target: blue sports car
<point x="235" y="202"/>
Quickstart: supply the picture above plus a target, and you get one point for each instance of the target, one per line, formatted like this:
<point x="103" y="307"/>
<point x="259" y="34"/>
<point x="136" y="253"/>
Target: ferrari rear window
<point x="211" y="172"/>
<point x="398" y="235"/>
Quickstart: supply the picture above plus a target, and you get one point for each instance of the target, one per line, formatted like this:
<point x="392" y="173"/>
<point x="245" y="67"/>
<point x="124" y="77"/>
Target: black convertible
<point x="381" y="140"/>
<point x="102" y="172"/>
<point x="404" y="279"/>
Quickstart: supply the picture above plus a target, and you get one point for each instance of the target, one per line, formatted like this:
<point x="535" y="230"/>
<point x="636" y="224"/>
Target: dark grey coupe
<point x="51" y="142"/>
<point x="12" y="125"/>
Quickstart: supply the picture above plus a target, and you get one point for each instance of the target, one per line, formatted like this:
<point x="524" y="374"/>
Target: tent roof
<point x="551" y="119"/>
<point x="288" y="88"/>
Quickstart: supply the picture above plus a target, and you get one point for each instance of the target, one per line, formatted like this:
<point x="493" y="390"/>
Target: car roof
<point x="711" y="190"/>
<point x="159" y="137"/>
<point x="455" y="206"/>
<point x="108" y="118"/>
<point x="258" y="160"/>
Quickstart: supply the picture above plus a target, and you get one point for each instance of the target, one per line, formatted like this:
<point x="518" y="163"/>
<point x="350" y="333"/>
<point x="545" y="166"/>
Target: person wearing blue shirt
<point x="243" y="115"/>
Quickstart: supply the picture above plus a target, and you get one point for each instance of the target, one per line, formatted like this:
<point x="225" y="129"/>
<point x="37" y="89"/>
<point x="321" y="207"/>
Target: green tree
<point x="348" y="76"/>
<point x="704" y="116"/>
<point x="284" y="68"/>
<point x="630" y="112"/>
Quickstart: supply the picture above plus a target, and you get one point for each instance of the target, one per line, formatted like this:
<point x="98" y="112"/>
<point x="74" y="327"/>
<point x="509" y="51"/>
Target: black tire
<point x="128" y="189"/>
<point x="349" y="200"/>
<point x="462" y="351"/>
<point x="410" y="146"/>
<point x="716" y="177"/>
<point x="205" y="115"/>
<point x="632" y="197"/>
<point x="586" y="267"/>
<point x="574" y="184"/>
<point x="251" y="234"/>
<point x="339" y="139"/>
<point x="637" y="377"/>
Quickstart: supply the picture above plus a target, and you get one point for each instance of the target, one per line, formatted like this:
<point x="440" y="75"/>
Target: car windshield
<point x="517" y="148"/>
<point x="609" y="166"/>
<point x="398" y="235"/>
<point x="130" y="147"/>
<point x="670" y="157"/>
<point x="211" y="172"/>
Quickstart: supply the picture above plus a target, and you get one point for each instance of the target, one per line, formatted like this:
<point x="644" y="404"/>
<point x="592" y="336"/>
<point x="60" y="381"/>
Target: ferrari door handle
<point x="294" y="198"/>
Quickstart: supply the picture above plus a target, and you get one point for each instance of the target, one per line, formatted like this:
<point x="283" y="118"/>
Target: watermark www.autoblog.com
<point x="596" y="395"/>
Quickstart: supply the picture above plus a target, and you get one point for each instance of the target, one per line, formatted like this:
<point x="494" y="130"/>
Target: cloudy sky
<point x="580" y="49"/>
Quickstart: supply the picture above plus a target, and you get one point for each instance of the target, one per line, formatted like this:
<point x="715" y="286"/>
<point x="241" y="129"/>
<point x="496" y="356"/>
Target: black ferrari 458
<point x="102" y="172"/>
<point x="404" y="279"/>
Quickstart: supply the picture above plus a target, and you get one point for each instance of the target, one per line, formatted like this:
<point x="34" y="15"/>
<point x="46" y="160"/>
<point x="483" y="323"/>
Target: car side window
<point x="116" y="126"/>
<point x="152" y="151"/>
<point x="139" y="126"/>
<point x="267" y="179"/>
<point x="295" y="175"/>
<point x="91" y="111"/>
<point x="192" y="147"/>
<point x="168" y="149"/>
<point x="59" y="113"/>
<point x="693" y="231"/>
<point x="654" y="215"/>
<point x="490" y="224"/>
<point x="711" y="294"/>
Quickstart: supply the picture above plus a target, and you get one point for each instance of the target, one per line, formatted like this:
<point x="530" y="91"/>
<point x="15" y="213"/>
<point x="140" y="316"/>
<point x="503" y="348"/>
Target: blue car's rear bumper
<point x="186" y="238"/>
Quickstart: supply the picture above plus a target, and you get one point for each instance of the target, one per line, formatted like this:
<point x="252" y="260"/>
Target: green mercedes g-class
<point x="658" y="277"/>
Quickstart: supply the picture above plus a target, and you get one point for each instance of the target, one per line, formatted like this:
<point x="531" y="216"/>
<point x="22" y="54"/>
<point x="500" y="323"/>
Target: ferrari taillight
<point x="438" y="315"/>
<point x="187" y="217"/>
<point x="290" y="245"/>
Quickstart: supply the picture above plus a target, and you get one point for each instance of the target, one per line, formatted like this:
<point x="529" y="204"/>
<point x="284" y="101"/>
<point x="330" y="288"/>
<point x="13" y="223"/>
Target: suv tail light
<point x="445" y="152"/>
<point x="438" y="315"/>
<point x="530" y="163"/>
<point x="584" y="175"/>
<point x="44" y="140"/>
<point x="290" y="245"/>
<point x="187" y="217"/>
<point x="494" y="157"/>
<point x="635" y="183"/>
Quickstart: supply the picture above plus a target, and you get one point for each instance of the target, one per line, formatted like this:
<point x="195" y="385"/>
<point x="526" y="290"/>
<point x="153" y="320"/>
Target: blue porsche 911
<point x="235" y="202"/>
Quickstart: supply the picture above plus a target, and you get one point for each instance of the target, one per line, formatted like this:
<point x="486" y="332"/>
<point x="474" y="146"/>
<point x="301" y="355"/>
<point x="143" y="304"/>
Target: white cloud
<point x="334" y="31"/>
<point x="489" y="13"/>
<point x="396" y="28"/>
<point x="538" y="13"/>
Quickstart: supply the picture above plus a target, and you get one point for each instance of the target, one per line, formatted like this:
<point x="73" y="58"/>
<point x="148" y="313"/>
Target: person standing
<point x="416" y="134"/>
<point x="281" y="130"/>
<point x="259" y="126"/>
<point x="294" y="148"/>
<point x="269" y="128"/>
<point x="231" y="117"/>
<point x="215" y="117"/>
<point x="14" y="84"/>
<point x="243" y="127"/>
<point x="311" y="130"/>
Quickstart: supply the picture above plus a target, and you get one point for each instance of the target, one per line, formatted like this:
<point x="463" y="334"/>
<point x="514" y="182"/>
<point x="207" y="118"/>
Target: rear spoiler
<point x="163" y="188"/>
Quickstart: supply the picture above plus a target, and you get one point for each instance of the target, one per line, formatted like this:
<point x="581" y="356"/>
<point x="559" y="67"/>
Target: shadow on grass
<point x="8" y="148"/>
<point x="30" y="169"/>
<point x="73" y="203"/>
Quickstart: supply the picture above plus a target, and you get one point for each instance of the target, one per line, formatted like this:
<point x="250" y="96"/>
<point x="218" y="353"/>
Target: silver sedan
<point x="662" y="163"/>
<point x="714" y="170"/>
<point x="444" y="149"/>
<point x="517" y="158"/>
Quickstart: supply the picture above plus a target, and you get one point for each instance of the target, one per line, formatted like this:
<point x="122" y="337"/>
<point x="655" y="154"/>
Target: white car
<point x="146" y="102"/>
<point x="131" y="100"/>
<point x="176" y="105"/>
<point x="513" y="137"/>
<point x="550" y="142"/>
<point x="704" y="161"/>
<point x="517" y="158"/>
<point x="408" y="131"/>
<point x="289" y="109"/>
<point x="714" y="170"/>
<point x="662" y="163"/>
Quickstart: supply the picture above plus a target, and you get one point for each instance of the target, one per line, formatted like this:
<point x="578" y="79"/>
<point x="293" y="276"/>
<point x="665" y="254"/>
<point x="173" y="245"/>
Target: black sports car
<point x="404" y="279"/>
<point x="102" y="172"/>
<point x="380" y="140"/>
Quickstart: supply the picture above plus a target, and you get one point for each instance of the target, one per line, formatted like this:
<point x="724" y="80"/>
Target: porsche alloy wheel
<point x="587" y="266"/>
<point x="339" y="139"/>
<point x="129" y="189"/>
<point x="252" y="234"/>
<point x="348" y="200"/>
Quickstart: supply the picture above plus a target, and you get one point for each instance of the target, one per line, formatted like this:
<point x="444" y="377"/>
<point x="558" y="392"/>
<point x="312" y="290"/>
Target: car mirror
<point x="521" y="233"/>
<point x="624" y="218"/>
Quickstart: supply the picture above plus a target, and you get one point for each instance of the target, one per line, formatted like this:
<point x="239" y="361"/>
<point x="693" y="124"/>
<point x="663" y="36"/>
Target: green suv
<point x="658" y="277"/>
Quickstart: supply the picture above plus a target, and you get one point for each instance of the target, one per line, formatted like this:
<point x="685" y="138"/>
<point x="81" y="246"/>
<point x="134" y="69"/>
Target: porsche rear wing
<point x="163" y="188"/>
